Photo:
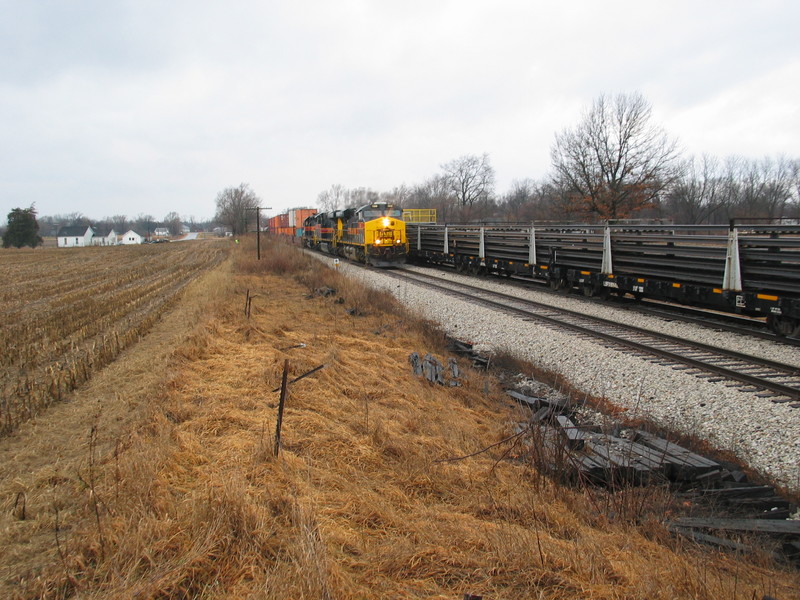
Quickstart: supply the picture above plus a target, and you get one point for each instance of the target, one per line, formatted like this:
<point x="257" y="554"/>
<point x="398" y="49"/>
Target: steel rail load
<point x="745" y="269"/>
<point x="373" y="234"/>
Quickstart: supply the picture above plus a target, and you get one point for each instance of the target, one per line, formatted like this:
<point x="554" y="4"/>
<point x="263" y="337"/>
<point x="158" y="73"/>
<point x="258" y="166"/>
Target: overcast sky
<point x="125" y="107"/>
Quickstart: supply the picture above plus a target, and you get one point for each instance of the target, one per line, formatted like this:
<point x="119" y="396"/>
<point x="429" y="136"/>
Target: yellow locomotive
<point x="374" y="234"/>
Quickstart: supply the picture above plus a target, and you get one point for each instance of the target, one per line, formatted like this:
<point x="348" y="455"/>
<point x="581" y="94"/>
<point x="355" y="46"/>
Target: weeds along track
<point x="69" y="312"/>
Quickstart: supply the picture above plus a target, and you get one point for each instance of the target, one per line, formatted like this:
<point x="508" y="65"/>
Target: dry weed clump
<point x="372" y="494"/>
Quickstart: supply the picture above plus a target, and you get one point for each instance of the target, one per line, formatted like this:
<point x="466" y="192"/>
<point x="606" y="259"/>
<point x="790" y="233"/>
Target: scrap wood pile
<point x="583" y="453"/>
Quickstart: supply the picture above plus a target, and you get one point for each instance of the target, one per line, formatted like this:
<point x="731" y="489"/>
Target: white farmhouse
<point x="105" y="237"/>
<point x="161" y="232"/>
<point x="131" y="237"/>
<point x="74" y="236"/>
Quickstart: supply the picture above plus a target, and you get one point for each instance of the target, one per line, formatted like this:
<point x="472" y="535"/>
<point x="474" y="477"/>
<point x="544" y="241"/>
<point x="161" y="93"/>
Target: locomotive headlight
<point x="377" y="241"/>
<point x="386" y="222"/>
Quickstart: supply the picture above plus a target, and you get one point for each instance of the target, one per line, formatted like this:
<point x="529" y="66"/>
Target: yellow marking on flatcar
<point x="717" y="291"/>
<point x="586" y="273"/>
<point x="767" y="297"/>
<point x="676" y="285"/>
<point x="543" y="267"/>
<point x="640" y="281"/>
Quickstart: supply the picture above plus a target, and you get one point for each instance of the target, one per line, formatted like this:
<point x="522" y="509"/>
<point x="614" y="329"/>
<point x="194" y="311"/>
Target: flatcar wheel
<point x="783" y="326"/>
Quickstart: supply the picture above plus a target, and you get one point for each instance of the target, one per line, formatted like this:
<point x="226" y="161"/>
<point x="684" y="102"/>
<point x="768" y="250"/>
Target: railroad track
<point x="710" y="319"/>
<point x="775" y="381"/>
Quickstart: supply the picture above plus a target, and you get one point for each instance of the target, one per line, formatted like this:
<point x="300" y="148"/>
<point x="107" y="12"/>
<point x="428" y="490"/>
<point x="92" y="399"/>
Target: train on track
<point x="374" y="234"/>
<point x="744" y="269"/>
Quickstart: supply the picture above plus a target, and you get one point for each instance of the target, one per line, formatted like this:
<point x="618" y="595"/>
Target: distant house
<point x="104" y="237"/>
<point x="131" y="237"/>
<point x="161" y="232"/>
<point x="185" y="229"/>
<point x="75" y="236"/>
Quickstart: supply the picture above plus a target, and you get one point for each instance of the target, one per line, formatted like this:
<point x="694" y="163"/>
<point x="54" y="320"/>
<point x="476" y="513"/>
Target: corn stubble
<point x="361" y="501"/>
<point x="68" y="313"/>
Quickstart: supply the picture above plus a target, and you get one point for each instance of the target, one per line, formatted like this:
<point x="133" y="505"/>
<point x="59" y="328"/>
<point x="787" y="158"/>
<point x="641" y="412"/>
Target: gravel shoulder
<point x="764" y="434"/>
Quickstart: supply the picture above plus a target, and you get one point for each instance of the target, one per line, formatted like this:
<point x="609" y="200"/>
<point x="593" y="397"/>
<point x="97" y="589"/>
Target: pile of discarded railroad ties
<point x="743" y="512"/>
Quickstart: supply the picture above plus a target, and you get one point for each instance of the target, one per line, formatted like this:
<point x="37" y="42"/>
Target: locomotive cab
<point x="384" y="233"/>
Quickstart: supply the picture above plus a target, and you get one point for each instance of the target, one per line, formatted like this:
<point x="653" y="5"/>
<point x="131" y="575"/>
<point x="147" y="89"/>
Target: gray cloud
<point x="135" y="106"/>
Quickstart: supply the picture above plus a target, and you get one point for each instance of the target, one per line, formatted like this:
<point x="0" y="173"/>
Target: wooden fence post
<point x="284" y="391"/>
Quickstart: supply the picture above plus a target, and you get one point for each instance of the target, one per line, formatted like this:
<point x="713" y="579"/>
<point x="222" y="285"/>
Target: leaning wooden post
<point x="284" y="391"/>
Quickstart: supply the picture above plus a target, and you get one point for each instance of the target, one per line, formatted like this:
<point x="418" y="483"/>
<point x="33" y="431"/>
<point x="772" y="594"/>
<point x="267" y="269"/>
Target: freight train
<point x="745" y="269"/>
<point x="374" y="234"/>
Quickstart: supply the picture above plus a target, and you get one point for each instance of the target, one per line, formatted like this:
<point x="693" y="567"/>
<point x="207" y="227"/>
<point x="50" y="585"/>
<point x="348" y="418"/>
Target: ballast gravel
<point x="764" y="434"/>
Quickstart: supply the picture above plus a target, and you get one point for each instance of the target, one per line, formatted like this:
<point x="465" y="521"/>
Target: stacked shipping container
<point x="291" y="222"/>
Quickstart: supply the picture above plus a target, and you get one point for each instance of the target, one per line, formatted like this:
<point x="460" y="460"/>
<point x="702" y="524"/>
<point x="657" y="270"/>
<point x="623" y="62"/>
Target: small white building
<point x="74" y="236"/>
<point x="131" y="237"/>
<point x="104" y="237"/>
<point x="161" y="232"/>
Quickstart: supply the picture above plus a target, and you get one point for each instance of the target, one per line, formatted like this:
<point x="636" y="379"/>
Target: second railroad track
<point x="766" y="378"/>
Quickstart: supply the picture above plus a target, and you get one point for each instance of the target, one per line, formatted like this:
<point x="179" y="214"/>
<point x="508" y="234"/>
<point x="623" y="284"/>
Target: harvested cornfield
<point x="69" y="312"/>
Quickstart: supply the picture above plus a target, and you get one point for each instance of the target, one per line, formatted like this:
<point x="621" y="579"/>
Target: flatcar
<point x="374" y="234"/>
<point x="744" y="269"/>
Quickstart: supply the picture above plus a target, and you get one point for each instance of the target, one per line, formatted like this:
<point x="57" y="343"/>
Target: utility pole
<point x="258" y="210"/>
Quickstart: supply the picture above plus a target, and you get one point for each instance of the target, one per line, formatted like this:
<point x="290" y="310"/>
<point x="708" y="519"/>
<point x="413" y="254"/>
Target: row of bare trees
<point x="143" y="223"/>
<point x="615" y="164"/>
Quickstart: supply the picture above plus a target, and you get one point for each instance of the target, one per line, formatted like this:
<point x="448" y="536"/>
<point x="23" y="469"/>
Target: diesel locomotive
<point x="745" y="269"/>
<point x="374" y="234"/>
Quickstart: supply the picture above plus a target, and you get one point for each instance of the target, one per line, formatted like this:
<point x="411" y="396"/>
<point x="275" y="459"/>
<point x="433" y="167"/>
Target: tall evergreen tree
<point x="23" y="229"/>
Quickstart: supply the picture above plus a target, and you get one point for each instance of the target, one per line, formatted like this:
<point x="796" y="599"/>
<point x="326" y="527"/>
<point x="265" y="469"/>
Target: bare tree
<point x="470" y="178"/>
<point x="794" y="174"/>
<point x="398" y="196"/>
<point x="75" y="218"/>
<point x="433" y="193"/>
<point x="360" y="196"/>
<point x="518" y="203"/>
<point x="615" y="161"/>
<point x="234" y="207"/>
<point x="764" y="188"/>
<point x="172" y="221"/>
<point x="700" y="194"/>
<point x="145" y="224"/>
<point x="332" y="199"/>
<point x="120" y="223"/>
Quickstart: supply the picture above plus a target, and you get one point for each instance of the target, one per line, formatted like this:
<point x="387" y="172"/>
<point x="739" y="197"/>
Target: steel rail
<point x="786" y="392"/>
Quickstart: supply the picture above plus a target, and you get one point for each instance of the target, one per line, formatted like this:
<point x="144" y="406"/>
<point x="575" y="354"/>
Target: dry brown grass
<point x="194" y="505"/>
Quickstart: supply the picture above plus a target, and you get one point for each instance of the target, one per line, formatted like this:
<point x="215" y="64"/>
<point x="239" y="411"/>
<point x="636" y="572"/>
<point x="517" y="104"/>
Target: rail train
<point x="374" y="234"/>
<point x="745" y="269"/>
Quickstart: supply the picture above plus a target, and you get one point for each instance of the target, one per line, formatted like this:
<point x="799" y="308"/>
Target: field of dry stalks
<point x="158" y="478"/>
<point x="69" y="312"/>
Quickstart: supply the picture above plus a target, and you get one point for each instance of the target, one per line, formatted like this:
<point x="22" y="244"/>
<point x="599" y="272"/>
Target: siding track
<point x="776" y="381"/>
